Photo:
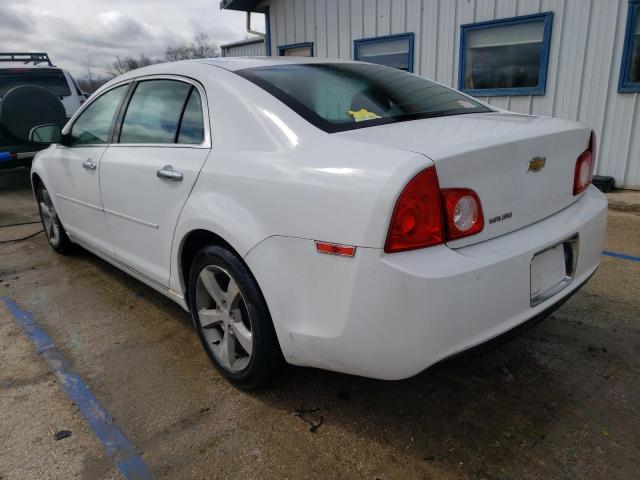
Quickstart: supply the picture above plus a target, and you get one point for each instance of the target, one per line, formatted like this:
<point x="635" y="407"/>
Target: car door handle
<point x="89" y="165"/>
<point x="168" y="172"/>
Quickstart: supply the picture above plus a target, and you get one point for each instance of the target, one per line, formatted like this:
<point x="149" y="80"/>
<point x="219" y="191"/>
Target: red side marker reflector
<point x="335" y="249"/>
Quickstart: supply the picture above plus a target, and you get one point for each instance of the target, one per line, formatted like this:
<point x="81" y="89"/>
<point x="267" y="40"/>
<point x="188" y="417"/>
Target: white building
<point x="253" y="47"/>
<point x="573" y="59"/>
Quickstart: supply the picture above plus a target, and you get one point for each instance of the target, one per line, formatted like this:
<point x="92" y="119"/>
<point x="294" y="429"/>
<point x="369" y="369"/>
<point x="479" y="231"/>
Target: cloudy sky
<point x="70" y="30"/>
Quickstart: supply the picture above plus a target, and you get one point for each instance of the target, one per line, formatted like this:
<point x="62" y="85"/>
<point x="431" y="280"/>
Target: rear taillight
<point x="417" y="218"/>
<point x="462" y="212"/>
<point x="425" y="216"/>
<point x="584" y="167"/>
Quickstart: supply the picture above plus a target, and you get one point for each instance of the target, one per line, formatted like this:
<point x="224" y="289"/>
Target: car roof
<point x="238" y="63"/>
<point x="228" y="63"/>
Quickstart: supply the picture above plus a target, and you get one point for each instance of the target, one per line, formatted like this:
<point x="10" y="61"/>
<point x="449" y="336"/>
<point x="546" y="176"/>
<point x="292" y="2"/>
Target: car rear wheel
<point x="53" y="229"/>
<point x="232" y="318"/>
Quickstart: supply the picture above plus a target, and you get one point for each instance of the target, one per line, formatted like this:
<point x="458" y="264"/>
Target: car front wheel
<point x="232" y="318"/>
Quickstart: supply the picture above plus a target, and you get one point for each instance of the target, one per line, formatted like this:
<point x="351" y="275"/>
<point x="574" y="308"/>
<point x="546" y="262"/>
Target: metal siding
<point x="333" y="50"/>
<point x="310" y="21"/>
<point x="321" y="28"/>
<point x="248" y="50"/>
<point x="369" y="18"/>
<point x="300" y="28"/>
<point x="398" y="19"/>
<point x="428" y="47"/>
<point x="356" y="16"/>
<point x="383" y="17"/>
<point x="581" y="81"/>
<point x="290" y="22"/>
<point x="447" y="31"/>
<point x="413" y="23"/>
<point x="344" y="29"/>
<point x="573" y="48"/>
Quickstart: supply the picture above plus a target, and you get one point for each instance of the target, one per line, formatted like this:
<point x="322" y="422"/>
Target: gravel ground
<point x="560" y="401"/>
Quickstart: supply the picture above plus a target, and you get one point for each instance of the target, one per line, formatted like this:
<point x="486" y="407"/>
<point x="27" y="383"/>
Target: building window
<point x="392" y="51"/>
<point x="505" y="57"/>
<point x="296" y="50"/>
<point x="630" y="71"/>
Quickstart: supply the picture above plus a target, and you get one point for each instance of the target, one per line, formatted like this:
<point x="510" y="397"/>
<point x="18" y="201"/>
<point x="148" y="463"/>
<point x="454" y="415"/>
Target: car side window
<point x="153" y="114"/>
<point x="93" y="126"/>
<point x="192" y="124"/>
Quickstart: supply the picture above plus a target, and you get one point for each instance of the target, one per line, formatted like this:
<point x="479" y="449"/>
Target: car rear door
<point x="75" y="170"/>
<point x="146" y="177"/>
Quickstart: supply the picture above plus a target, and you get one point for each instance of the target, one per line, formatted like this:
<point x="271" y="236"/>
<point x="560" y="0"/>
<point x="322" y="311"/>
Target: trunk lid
<point x="491" y="154"/>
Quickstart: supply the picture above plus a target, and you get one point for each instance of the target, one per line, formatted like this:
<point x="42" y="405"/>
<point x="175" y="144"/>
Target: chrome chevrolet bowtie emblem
<point x="536" y="164"/>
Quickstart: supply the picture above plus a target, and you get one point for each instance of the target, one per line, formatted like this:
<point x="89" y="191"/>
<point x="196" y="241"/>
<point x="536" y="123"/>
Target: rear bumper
<point x="390" y="316"/>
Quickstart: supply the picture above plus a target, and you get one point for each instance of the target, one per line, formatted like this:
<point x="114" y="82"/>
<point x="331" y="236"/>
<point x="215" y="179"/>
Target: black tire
<point x="53" y="229"/>
<point x="266" y="357"/>
<point x="28" y="106"/>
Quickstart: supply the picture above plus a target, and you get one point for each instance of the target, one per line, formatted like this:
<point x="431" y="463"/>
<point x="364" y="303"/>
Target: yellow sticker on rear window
<point x="363" y="114"/>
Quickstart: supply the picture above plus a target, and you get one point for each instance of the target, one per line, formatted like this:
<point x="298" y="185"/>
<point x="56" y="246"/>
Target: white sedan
<point x="338" y="215"/>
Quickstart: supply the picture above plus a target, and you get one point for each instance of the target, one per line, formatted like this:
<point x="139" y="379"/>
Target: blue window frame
<point x="390" y="50"/>
<point x="304" y="49"/>
<point x="506" y="57"/>
<point x="630" y="69"/>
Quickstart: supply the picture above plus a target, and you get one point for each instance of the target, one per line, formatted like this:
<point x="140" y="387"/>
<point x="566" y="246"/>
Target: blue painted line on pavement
<point x="118" y="448"/>
<point x="622" y="256"/>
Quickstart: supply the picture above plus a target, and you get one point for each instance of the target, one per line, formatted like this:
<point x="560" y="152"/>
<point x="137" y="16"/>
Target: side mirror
<point x="46" y="134"/>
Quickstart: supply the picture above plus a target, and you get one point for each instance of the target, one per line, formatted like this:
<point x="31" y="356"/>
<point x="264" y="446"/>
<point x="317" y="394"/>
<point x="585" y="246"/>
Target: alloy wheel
<point x="224" y="318"/>
<point x="49" y="218"/>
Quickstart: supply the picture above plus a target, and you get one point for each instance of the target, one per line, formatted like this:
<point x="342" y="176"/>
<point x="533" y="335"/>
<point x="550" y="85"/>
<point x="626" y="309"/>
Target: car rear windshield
<point x="50" y="79"/>
<point x="343" y="96"/>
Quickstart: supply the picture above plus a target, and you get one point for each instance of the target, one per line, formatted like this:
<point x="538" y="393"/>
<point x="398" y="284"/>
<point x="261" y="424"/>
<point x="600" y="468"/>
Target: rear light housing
<point x="462" y="212"/>
<point x="425" y="216"/>
<point x="417" y="218"/>
<point x="335" y="249"/>
<point x="584" y="167"/>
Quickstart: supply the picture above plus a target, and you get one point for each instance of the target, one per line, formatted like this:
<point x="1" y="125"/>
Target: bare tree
<point x="88" y="66"/>
<point x="200" y="47"/>
<point x="128" y="63"/>
<point x="92" y="80"/>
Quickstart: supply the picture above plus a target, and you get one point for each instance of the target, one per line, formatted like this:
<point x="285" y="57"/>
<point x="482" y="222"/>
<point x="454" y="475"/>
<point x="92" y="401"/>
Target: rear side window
<point x="192" y="124"/>
<point x="93" y="126"/>
<point x="344" y="96"/>
<point x="153" y="114"/>
<point x="51" y="79"/>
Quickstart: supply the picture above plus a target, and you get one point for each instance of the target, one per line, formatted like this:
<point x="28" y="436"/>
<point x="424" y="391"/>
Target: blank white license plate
<point x="548" y="273"/>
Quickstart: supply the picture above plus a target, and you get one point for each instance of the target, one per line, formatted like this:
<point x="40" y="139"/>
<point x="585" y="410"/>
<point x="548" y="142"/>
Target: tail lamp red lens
<point x="584" y="167"/>
<point x="417" y="219"/>
<point x="425" y="215"/>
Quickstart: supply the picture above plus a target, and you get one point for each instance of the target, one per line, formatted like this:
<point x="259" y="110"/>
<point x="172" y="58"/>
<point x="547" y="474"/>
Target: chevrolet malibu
<point x="338" y="215"/>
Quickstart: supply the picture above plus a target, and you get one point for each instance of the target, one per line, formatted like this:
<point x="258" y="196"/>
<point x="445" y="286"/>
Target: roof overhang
<point x="239" y="43"/>
<point x="258" y="6"/>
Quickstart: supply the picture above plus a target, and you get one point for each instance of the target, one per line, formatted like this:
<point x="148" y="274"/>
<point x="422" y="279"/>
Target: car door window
<point x="192" y="124"/>
<point x="154" y="112"/>
<point x="93" y="126"/>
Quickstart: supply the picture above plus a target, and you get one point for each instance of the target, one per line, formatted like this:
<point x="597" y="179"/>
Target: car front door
<point x="147" y="175"/>
<point x="75" y="170"/>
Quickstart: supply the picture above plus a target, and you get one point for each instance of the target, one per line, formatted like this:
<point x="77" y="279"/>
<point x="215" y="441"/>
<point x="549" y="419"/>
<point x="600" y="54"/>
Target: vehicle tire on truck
<point x="31" y="96"/>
